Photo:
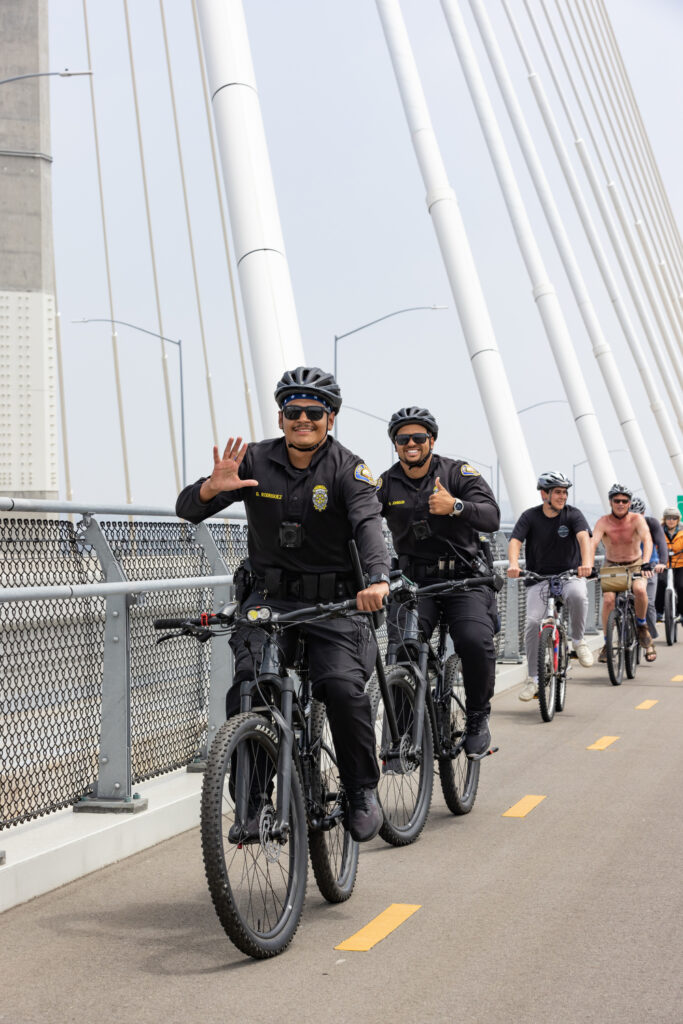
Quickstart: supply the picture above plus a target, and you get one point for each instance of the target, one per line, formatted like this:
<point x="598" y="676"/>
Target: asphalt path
<point x="572" y="913"/>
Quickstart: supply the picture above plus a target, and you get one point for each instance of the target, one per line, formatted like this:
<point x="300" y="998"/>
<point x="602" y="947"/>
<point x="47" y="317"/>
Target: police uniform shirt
<point x="333" y="499"/>
<point x="551" y="544"/>
<point x="405" y="501"/>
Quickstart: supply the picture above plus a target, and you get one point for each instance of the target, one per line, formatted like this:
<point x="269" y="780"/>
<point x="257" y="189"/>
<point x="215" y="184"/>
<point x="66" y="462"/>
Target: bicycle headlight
<point x="260" y="614"/>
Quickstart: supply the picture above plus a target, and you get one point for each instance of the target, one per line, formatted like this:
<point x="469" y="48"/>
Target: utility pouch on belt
<point x="615" y="578"/>
<point x="243" y="581"/>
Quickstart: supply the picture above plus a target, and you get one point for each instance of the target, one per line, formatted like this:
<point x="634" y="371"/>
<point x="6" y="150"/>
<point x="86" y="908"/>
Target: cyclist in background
<point x="628" y="545"/>
<point x="673" y="533"/>
<point x="659" y="561"/>
<point x="435" y="508"/>
<point x="306" y="496"/>
<point x="557" y="538"/>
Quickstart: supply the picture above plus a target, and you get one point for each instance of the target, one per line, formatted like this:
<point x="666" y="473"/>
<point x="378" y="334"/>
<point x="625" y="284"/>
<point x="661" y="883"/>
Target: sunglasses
<point x="313" y="412"/>
<point x="621" y="501"/>
<point x="404" y="439"/>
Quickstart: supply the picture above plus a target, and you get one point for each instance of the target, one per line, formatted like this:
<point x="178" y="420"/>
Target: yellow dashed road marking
<point x="646" y="705"/>
<point x="677" y="679"/>
<point x="603" y="742"/>
<point x="380" y="927"/>
<point x="522" y="808"/>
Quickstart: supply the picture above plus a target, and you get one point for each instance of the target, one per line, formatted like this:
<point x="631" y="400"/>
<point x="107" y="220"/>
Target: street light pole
<point x="172" y="341"/>
<point x="338" y="337"/>
<point x="44" y="74"/>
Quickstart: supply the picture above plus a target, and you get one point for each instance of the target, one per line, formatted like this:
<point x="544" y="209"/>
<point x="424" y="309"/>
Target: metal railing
<point x="90" y="705"/>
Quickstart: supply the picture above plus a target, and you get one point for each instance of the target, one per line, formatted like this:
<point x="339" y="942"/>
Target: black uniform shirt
<point x="551" y="544"/>
<point x="405" y="501"/>
<point x="658" y="540"/>
<point x="334" y="499"/>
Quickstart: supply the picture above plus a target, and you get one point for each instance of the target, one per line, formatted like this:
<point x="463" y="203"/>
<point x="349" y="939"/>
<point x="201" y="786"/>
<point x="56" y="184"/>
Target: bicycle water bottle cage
<point x="556" y="586"/>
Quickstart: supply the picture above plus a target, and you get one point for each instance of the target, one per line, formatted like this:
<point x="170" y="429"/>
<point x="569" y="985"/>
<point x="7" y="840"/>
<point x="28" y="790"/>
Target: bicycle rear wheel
<point x="547" y="676"/>
<point x="458" y="774"/>
<point x="615" y="648"/>
<point x="670" y="621"/>
<point x="334" y="854"/>
<point x="257" y="882"/>
<point x="562" y="666"/>
<point x="631" y="644"/>
<point x="406" y="781"/>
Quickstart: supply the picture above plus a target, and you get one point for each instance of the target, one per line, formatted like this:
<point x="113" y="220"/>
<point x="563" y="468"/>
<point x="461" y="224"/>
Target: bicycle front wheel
<point x="458" y="774"/>
<point x="547" y="676"/>
<point x="615" y="648"/>
<point x="406" y="778"/>
<point x="670" y="623"/>
<point x="334" y="854"/>
<point x="256" y="880"/>
<point x="631" y="645"/>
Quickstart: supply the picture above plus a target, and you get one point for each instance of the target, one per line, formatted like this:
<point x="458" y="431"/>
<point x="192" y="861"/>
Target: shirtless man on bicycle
<point x="628" y="544"/>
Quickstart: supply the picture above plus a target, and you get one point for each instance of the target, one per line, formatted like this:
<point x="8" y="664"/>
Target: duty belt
<point x="447" y="568"/>
<point x="324" y="586"/>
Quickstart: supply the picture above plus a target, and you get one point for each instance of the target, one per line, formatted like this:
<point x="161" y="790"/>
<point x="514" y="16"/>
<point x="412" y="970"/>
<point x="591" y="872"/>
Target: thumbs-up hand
<point x="440" y="500"/>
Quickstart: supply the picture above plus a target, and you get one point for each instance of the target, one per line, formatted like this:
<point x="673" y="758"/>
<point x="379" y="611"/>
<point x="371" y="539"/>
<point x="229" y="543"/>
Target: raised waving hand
<point x="225" y="470"/>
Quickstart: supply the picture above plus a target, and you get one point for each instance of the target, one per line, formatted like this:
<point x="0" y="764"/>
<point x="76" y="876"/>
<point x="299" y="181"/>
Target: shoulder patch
<point x="467" y="470"/>
<point x="362" y="472"/>
<point x="379" y="484"/>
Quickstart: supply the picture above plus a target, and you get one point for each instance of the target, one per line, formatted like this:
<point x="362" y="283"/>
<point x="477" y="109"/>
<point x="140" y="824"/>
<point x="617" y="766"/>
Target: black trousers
<point x="472" y="619"/>
<point x="661" y="587"/>
<point x="341" y="657"/>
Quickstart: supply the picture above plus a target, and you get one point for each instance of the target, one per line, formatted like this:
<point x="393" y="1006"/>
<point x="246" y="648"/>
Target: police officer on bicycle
<point x="435" y="508"/>
<point x="557" y="538"/>
<point x="306" y="497"/>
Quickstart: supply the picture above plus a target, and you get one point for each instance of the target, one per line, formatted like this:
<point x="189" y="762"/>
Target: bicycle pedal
<point x="487" y="753"/>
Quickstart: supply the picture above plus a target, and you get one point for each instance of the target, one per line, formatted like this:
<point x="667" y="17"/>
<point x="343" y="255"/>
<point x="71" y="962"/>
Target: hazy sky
<point x="359" y="241"/>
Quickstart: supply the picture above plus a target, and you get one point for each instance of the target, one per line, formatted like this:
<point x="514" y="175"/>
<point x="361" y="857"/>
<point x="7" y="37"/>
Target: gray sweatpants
<point x="575" y="593"/>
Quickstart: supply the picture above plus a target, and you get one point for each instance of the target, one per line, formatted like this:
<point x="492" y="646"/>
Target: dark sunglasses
<point x="621" y="501"/>
<point x="403" y="439"/>
<point x="313" y="412"/>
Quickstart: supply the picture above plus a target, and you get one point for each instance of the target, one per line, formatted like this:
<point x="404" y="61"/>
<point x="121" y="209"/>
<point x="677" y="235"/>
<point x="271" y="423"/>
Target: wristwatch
<point x="379" y="577"/>
<point x="458" y="506"/>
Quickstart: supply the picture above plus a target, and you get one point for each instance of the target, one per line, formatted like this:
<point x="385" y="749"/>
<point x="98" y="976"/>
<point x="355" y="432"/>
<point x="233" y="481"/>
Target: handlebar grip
<point x="169" y="623"/>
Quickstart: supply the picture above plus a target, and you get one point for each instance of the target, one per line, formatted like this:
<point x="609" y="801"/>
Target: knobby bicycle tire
<point x="631" y="644"/>
<point x="459" y="775"/>
<point x="405" y="783"/>
<point x="615" y="648"/>
<point x="670" y="620"/>
<point x="547" y="676"/>
<point x="257" y="886"/>
<point x="562" y="668"/>
<point x="334" y="853"/>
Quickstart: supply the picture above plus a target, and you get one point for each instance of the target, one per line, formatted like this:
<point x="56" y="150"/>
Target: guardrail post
<point x="511" y="652"/>
<point x="113" y="786"/>
<point x="220" y="679"/>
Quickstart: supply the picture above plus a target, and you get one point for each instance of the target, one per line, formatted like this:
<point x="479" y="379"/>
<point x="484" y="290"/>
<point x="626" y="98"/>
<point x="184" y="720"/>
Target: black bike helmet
<point x="619" y="489"/>
<point x="310" y="381"/>
<point x="413" y="414"/>
<point x="638" y="505"/>
<point x="552" y="478"/>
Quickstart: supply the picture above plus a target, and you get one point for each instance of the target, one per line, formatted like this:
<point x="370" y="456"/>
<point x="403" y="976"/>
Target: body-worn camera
<point x="421" y="529"/>
<point x="291" y="535"/>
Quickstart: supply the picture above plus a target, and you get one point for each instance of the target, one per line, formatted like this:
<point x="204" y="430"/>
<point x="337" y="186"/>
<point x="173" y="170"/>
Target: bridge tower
<point x="28" y="375"/>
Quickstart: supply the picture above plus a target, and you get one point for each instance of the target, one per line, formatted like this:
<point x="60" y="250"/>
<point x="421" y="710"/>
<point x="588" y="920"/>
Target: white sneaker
<point x="530" y="690"/>
<point x="583" y="653"/>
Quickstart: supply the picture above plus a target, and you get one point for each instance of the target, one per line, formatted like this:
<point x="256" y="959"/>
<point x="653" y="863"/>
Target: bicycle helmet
<point x="413" y="414"/>
<point x="671" y="511"/>
<point x="638" y="505"/>
<point x="552" y="478"/>
<point x="619" y="489"/>
<point x="309" y="382"/>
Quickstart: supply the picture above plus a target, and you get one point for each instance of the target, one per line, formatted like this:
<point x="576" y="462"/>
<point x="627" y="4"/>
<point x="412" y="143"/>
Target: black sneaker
<point x="477" y="734"/>
<point x="364" y="818"/>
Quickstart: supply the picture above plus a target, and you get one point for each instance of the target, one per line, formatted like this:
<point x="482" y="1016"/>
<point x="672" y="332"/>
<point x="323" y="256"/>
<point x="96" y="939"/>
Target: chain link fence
<point x="70" y="662"/>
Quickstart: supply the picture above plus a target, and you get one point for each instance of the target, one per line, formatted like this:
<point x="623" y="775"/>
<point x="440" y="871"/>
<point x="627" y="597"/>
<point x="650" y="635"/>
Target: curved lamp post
<point x="172" y="341"/>
<point x="44" y="74"/>
<point x="370" y="323"/>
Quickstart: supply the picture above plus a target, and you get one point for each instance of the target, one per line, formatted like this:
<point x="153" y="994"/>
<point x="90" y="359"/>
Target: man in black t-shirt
<point x="557" y="538"/>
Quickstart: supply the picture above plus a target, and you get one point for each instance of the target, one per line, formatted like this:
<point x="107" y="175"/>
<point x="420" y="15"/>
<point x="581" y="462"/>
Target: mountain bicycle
<point x="427" y="697"/>
<point x="553" y="645"/>
<point x="670" y="609"/>
<point x="271" y="782"/>
<point x="622" y="644"/>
